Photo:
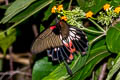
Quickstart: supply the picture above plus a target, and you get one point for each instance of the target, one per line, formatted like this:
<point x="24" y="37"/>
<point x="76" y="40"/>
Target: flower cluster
<point x="107" y="16"/>
<point x="75" y="16"/>
<point x="117" y="10"/>
<point x="57" y="9"/>
<point x="89" y="14"/>
<point x="53" y="10"/>
<point x="64" y="18"/>
<point x="71" y="16"/>
<point x="106" y="6"/>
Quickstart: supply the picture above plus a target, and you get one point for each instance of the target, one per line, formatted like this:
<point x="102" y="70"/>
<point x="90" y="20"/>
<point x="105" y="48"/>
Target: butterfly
<point x="61" y="41"/>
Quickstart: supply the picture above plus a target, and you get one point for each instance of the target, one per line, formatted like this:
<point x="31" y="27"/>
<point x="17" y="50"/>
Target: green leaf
<point x="42" y="68"/>
<point x="47" y="13"/>
<point x="118" y="76"/>
<point x="113" y="38"/>
<point x="15" y="8"/>
<point x="79" y="63"/>
<point x="60" y="73"/>
<point x="93" y="5"/>
<point x="98" y="5"/>
<point x="31" y="10"/>
<point x="96" y="55"/>
<point x="41" y="27"/>
<point x="115" y="3"/>
<point x="5" y="6"/>
<point x="114" y="69"/>
<point x="7" y="40"/>
<point x="110" y="63"/>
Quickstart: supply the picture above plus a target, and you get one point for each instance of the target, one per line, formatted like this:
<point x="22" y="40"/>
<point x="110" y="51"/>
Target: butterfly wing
<point x="61" y="46"/>
<point x="46" y="40"/>
<point x="79" y="40"/>
<point x="75" y="42"/>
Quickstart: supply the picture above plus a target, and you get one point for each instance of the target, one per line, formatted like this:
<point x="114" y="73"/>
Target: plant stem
<point x="69" y="4"/>
<point x="93" y="31"/>
<point x="95" y="39"/>
<point x="93" y="18"/>
<point x="97" y="25"/>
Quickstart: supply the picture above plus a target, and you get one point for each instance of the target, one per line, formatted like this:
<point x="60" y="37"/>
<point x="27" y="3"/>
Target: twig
<point x="11" y="60"/>
<point x="12" y="73"/>
<point x="1" y="1"/>
<point x="17" y="58"/>
<point x="34" y="27"/>
<point x="6" y="2"/>
<point x="102" y="74"/>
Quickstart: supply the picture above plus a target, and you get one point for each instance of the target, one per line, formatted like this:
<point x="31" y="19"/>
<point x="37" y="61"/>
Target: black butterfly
<point x="61" y="42"/>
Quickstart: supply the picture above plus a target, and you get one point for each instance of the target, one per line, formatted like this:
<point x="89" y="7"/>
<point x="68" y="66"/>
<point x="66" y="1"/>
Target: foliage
<point x="103" y="32"/>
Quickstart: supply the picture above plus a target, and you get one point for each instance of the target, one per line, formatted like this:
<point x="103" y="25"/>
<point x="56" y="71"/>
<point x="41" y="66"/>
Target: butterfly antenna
<point x="68" y="68"/>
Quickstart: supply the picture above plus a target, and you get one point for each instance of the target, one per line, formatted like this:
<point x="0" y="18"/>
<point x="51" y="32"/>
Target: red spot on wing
<point x="66" y="44"/>
<point x="70" y="47"/>
<point x="71" y="57"/>
<point x="52" y="27"/>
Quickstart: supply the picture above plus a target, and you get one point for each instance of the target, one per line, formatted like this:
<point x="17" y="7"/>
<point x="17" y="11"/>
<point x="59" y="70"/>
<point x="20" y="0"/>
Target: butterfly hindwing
<point x="79" y="39"/>
<point x="75" y="42"/>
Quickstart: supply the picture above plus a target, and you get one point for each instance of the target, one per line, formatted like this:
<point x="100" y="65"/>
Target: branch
<point x="34" y="27"/>
<point x="95" y="39"/>
<point x="12" y="73"/>
<point x="11" y="60"/>
<point x="102" y="74"/>
<point x="17" y="58"/>
<point x="1" y="1"/>
<point x="6" y="2"/>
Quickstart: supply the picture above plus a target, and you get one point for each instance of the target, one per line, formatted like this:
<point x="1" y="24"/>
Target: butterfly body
<point x="64" y="30"/>
<point x="61" y="41"/>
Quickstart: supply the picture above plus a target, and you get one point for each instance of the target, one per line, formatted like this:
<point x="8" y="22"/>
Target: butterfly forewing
<point x="46" y="40"/>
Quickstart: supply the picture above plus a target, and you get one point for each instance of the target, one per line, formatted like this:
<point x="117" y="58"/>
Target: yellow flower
<point x="64" y="18"/>
<point x="117" y="9"/>
<point x="60" y="7"/>
<point x="53" y="10"/>
<point x="106" y="6"/>
<point x="89" y="14"/>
